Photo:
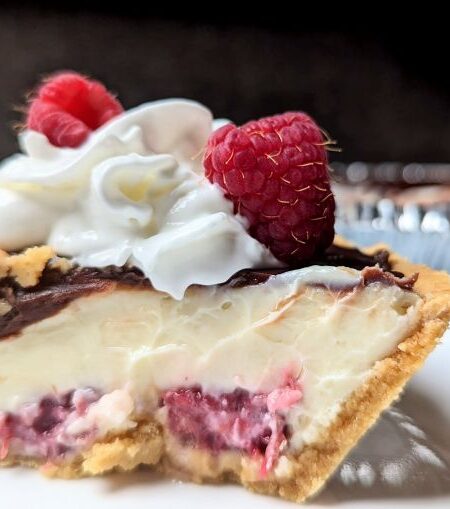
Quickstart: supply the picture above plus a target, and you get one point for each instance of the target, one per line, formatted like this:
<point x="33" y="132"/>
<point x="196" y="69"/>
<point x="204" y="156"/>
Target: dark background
<point x="382" y="91"/>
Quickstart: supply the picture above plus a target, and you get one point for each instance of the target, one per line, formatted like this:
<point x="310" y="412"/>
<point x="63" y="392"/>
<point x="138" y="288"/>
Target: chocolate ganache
<point x="56" y="290"/>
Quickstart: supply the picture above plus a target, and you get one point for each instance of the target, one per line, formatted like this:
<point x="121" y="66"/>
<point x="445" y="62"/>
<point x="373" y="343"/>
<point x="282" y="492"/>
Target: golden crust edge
<point x="315" y="463"/>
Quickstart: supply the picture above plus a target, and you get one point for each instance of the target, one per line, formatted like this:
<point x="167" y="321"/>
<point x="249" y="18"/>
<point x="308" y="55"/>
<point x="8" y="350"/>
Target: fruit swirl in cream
<point x="133" y="193"/>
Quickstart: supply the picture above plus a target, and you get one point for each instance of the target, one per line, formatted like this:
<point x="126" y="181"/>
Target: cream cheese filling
<point x="219" y="337"/>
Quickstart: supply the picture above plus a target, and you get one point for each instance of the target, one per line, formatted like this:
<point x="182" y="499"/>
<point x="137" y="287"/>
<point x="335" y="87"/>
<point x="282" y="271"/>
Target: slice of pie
<point x="267" y="380"/>
<point x="156" y="324"/>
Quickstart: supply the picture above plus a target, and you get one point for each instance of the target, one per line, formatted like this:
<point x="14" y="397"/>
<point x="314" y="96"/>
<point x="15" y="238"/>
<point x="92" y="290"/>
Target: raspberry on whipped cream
<point x="132" y="193"/>
<point x="67" y="107"/>
<point x="275" y="171"/>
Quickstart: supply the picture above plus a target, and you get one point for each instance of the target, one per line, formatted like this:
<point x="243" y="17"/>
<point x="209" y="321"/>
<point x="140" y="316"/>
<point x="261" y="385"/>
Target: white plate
<point x="403" y="462"/>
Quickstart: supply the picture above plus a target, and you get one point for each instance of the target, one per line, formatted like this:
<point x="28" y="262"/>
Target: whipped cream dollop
<point x="133" y="193"/>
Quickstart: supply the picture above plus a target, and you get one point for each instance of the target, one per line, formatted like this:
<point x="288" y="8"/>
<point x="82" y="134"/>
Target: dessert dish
<point x="170" y="296"/>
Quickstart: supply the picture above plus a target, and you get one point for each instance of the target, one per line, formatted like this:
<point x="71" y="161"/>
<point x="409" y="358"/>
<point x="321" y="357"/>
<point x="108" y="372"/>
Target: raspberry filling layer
<point x="62" y="425"/>
<point x="43" y="429"/>
<point x="238" y="420"/>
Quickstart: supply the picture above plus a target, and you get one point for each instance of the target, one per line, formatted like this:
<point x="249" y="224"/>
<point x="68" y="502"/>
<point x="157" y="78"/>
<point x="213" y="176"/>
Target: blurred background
<point x="381" y="93"/>
<point x="380" y="86"/>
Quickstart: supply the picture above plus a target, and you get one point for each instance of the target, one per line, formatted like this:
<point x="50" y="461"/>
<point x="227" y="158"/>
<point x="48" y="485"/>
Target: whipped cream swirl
<point x="133" y="193"/>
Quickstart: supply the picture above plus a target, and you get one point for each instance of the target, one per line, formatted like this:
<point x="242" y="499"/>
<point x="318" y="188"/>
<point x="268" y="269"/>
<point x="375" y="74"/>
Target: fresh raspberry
<point x="275" y="170"/>
<point x="67" y="107"/>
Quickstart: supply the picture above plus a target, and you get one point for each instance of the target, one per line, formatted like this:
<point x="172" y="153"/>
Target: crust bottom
<point x="304" y="474"/>
<point x="144" y="445"/>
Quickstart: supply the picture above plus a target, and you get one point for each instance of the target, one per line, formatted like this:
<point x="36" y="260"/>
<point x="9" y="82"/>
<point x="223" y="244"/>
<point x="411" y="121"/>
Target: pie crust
<point x="303" y="474"/>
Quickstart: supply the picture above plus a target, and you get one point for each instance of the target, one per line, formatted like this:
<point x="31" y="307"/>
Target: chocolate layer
<point x="335" y="256"/>
<point x="56" y="290"/>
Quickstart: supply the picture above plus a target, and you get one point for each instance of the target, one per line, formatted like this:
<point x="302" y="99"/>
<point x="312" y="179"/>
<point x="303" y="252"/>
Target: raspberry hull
<point x="275" y="170"/>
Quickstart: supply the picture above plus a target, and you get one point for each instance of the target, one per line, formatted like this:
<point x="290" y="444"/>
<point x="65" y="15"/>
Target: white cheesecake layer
<point x="144" y="341"/>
